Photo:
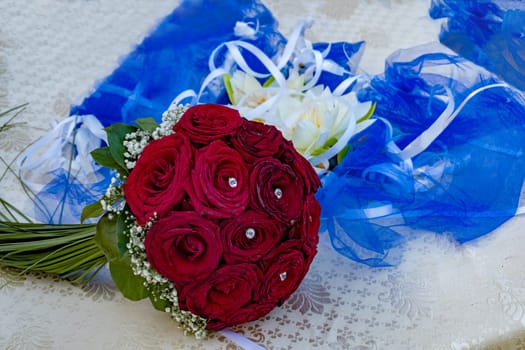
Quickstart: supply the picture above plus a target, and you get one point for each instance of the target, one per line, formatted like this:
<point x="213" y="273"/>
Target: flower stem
<point x="67" y="250"/>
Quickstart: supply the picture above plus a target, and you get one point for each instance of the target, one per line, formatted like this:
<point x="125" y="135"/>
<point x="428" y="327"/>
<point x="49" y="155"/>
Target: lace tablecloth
<point x="442" y="296"/>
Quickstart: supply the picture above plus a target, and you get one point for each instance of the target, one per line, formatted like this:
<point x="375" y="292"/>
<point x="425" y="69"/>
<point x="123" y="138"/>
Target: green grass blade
<point x="67" y="250"/>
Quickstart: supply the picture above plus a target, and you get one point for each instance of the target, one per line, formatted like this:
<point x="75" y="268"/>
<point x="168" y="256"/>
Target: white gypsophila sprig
<point x="112" y="201"/>
<point x="135" y="142"/>
<point x="163" y="288"/>
<point x="169" y="119"/>
<point x="139" y="263"/>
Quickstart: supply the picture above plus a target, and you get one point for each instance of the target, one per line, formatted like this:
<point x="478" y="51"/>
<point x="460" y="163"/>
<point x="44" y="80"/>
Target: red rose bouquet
<point x="211" y="216"/>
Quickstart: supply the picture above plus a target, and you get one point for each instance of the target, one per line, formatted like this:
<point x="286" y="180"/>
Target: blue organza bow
<point x="490" y="33"/>
<point x="465" y="184"/>
<point x="174" y="57"/>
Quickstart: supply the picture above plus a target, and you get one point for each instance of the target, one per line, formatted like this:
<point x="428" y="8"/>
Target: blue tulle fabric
<point x="491" y="33"/>
<point x="63" y="199"/>
<point x="465" y="184"/>
<point x="174" y="57"/>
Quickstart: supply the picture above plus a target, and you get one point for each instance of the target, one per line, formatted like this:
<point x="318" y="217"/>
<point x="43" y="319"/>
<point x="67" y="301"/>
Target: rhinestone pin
<point x="250" y="233"/>
<point x="278" y="193"/>
<point x="232" y="182"/>
<point x="282" y="276"/>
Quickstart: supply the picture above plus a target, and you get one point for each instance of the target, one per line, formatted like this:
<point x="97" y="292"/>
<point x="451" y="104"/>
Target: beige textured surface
<point x="52" y="52"/>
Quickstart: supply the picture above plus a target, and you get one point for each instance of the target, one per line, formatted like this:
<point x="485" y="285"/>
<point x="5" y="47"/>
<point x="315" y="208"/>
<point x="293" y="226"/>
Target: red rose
<point x="289" y="155"/>
<point x="208" y="122"/>
<point x="155" y="185"/>
<point x="183" y="247"/>
<point x="245" y="314"/>
<point x="308" y="230"/>
<point x="276" y="189"/>
<point x="284" y="269"/>
<point x="223" y="293"/>
<point x="249" y="236"/>
<point x="219" y="184"/>
<point x="256" y="140"/>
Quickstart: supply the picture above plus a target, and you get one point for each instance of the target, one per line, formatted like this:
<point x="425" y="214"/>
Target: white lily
<point x="315" y="119"/>
<point x="318" y="121"/>
<point x="245" y="90"/>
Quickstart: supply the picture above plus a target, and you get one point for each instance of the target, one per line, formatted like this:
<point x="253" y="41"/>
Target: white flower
<point x="320" y="120"/>
<point x="246" y="90"/>
<point x="314" y="120"/>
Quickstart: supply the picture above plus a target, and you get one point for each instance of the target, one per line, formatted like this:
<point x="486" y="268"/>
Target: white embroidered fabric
<point x="442" y="296"/>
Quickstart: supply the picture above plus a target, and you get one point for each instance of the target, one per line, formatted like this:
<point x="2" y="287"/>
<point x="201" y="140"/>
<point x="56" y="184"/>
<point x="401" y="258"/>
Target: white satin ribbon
<point x="298" y="50"/>
<point x="67" y="146"/>
<point x="297" y="45"/>
<point x="240" y="340"/>
<point x="420" y="143"/>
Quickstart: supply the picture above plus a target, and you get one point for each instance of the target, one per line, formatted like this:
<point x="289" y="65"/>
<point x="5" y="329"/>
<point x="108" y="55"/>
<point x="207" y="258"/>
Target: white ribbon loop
<point x="67" y="147"/>
<point x="420" y="143"/>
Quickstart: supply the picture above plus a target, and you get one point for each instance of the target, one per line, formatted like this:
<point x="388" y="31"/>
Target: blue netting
<point x="467" y="183"/>
<point x="174" y="57"/>
<point x="490" y="33"/>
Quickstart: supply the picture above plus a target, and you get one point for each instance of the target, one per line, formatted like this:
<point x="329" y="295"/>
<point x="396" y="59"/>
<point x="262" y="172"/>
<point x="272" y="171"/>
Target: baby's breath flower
<point x="134" y="144"/>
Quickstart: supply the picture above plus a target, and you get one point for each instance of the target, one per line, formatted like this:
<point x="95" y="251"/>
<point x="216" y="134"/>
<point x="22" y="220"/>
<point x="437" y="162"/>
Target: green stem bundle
<point x="67" y="250"/>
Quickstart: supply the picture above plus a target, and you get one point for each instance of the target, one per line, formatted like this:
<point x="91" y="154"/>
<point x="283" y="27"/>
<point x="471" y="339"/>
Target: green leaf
<point x="318" y="151"/>
<point x="329" y="143"/>
<point x="147" y="124"/>
<point x="109" y="238"/>
<point x="93" y="210"/>
<point x="107" y="235"/>
<point x="8" y="124"/>
<point x="131" y="286"/>
<point x="368" y="114"/>
<point x="228" y="85"/>
<point x="122" y="239"/>
<point x="268" y="81"/>
<point x="104" y="157"/>
<point x="19" y="107"/>
<point x="116" y="136"/>
<point x="342" y="154"/>
<point x="158" y="303"/>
